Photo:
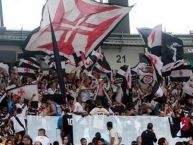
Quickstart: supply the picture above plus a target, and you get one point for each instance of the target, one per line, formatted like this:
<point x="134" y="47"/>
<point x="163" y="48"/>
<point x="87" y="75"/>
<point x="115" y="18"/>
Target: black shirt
<point x="148" y="137"/>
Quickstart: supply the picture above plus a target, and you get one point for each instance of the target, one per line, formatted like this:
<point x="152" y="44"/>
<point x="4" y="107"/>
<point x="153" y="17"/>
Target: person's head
<point x="98" y="135"/>
<point x="94" y="141"/>
<point x="150" y="126"/>
<point x="50" y="100"/>
<point x="27" y="140"/>
<point x="37" y="143"/>
<point x="71" y="100"/>
<point x="17" y="138"/>
<point x="5" y="109"/>
<point x="101" y="141"/>
<point x="179" y="143"/>
<point x="139" y="140"/>
<point x="83" y="141"/>
<point x="133" y="143"/>
<point x="65" y="140"/>
<point x="41" y="132"/>
<point x="162" y="141"/>
<point x="55" y="143"/>
<point x="19" y="110"/>
<point x="109" y="125"/>
<point x="9" y="142"/>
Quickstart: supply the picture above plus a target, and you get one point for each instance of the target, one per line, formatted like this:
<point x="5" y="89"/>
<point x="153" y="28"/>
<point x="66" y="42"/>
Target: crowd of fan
<point x="85" y="95"/>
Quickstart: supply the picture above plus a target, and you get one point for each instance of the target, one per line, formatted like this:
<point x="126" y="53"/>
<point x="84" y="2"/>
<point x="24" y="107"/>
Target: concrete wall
<point x="120" y="55"/>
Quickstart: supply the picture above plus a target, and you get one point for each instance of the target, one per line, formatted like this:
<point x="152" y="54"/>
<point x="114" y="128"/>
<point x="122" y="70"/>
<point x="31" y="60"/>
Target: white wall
<point x="118" y="56"/>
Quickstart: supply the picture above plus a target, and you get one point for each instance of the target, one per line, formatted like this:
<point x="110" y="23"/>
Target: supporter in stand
<point x="83" y="141"/>
<point x="99" y="109"/>
<point x="19" y="122"/>
<point x="42" y="137"/>
<point x="9" y="142"/>
<point x="27" y="140"/>
<point x="148" y="136"/>
<point x="54" y="108"/>
<point x="162" y="141"/>
<point x="66" y="141"/>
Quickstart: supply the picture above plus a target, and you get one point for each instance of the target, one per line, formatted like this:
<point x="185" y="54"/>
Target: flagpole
<point x="57" y="59"/>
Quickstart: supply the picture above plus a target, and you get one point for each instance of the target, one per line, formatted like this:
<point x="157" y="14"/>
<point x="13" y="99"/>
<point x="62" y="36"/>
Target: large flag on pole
<point x="58" y="62"/>
<point x="79" y="25"/>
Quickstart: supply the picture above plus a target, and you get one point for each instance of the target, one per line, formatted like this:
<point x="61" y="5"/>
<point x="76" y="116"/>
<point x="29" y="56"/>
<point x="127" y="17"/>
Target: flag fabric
<point x="155" y="37"/>
<point x="188" y="87"/>
<point x="166" y="69"/>
<point x="180" y="126"/>
<point x="102" y="66"/>
<point x="146" y="79"/>
<point x="91" y="60"/>
<point x="181" y="73"/>
<point x="89" y="63"/>
<point x="79" y="58"/>
<point x="157" y="91"/>
<point x="152" y="39"/>
<point x="161" y="44"/>
<point x="172" y="49"/>
<point x="157" y="65"/>
<point x="175" y="126"/>
<point x="25" y="70"/>
<point x="49" y="60"/>
<point x="136" y="70"/>
<point x="26" y="91"/>
<point x="144" y="33"/>
<point x="125" y="73"/>
<point x="29" y="62"/>
<point x="5" y="67"/>
<point x="79" y="25"/>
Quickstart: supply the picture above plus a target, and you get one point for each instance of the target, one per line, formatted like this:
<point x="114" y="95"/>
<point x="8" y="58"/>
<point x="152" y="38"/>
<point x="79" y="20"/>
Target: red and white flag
<point x="155" y="61"/>
<point x="79" y="25"/>
<point x="155" y="37"/>
<point x="188" y="87"/>
<point x="26" y="92"/>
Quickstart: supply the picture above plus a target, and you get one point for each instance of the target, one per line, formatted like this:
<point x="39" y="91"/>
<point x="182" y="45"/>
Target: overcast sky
<point x="176" y="16"/>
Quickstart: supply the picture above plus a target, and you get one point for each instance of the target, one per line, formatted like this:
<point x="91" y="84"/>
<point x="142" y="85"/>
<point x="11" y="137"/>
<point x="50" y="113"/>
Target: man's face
<point x="166" y="142"/>
<point x="26" y="141"/>
<point x="100" y="142"/>
<point x="84" y="142"/>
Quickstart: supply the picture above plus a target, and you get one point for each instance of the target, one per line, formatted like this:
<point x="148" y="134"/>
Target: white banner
<point x="128" y="127"/>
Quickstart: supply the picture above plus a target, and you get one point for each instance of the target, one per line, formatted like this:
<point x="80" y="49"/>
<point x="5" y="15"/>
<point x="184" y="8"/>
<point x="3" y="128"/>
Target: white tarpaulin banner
<point x="128" y="127"/>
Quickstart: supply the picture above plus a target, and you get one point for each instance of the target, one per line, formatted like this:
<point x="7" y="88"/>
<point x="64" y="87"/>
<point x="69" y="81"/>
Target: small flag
<point x="27" y="92"/>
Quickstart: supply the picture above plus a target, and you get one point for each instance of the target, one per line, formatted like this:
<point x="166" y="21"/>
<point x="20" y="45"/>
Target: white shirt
<point x="43" y="139"/>
<point x="113" y="133"/>
<point x="77" y="107"/>
<point x="17" y="127"/>
<point x="23" y="107"/>
<point x="99" y="111"/>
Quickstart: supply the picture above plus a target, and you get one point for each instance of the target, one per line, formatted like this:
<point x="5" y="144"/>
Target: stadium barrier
<point x="128" y="127"/>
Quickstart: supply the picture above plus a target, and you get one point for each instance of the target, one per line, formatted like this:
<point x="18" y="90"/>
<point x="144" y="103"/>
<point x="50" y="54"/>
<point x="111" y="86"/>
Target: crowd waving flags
<point x="72" y="32"/>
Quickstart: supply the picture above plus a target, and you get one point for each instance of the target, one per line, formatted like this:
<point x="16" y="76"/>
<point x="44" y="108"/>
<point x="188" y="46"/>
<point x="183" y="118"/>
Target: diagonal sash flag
<point x="79" y="25"/>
